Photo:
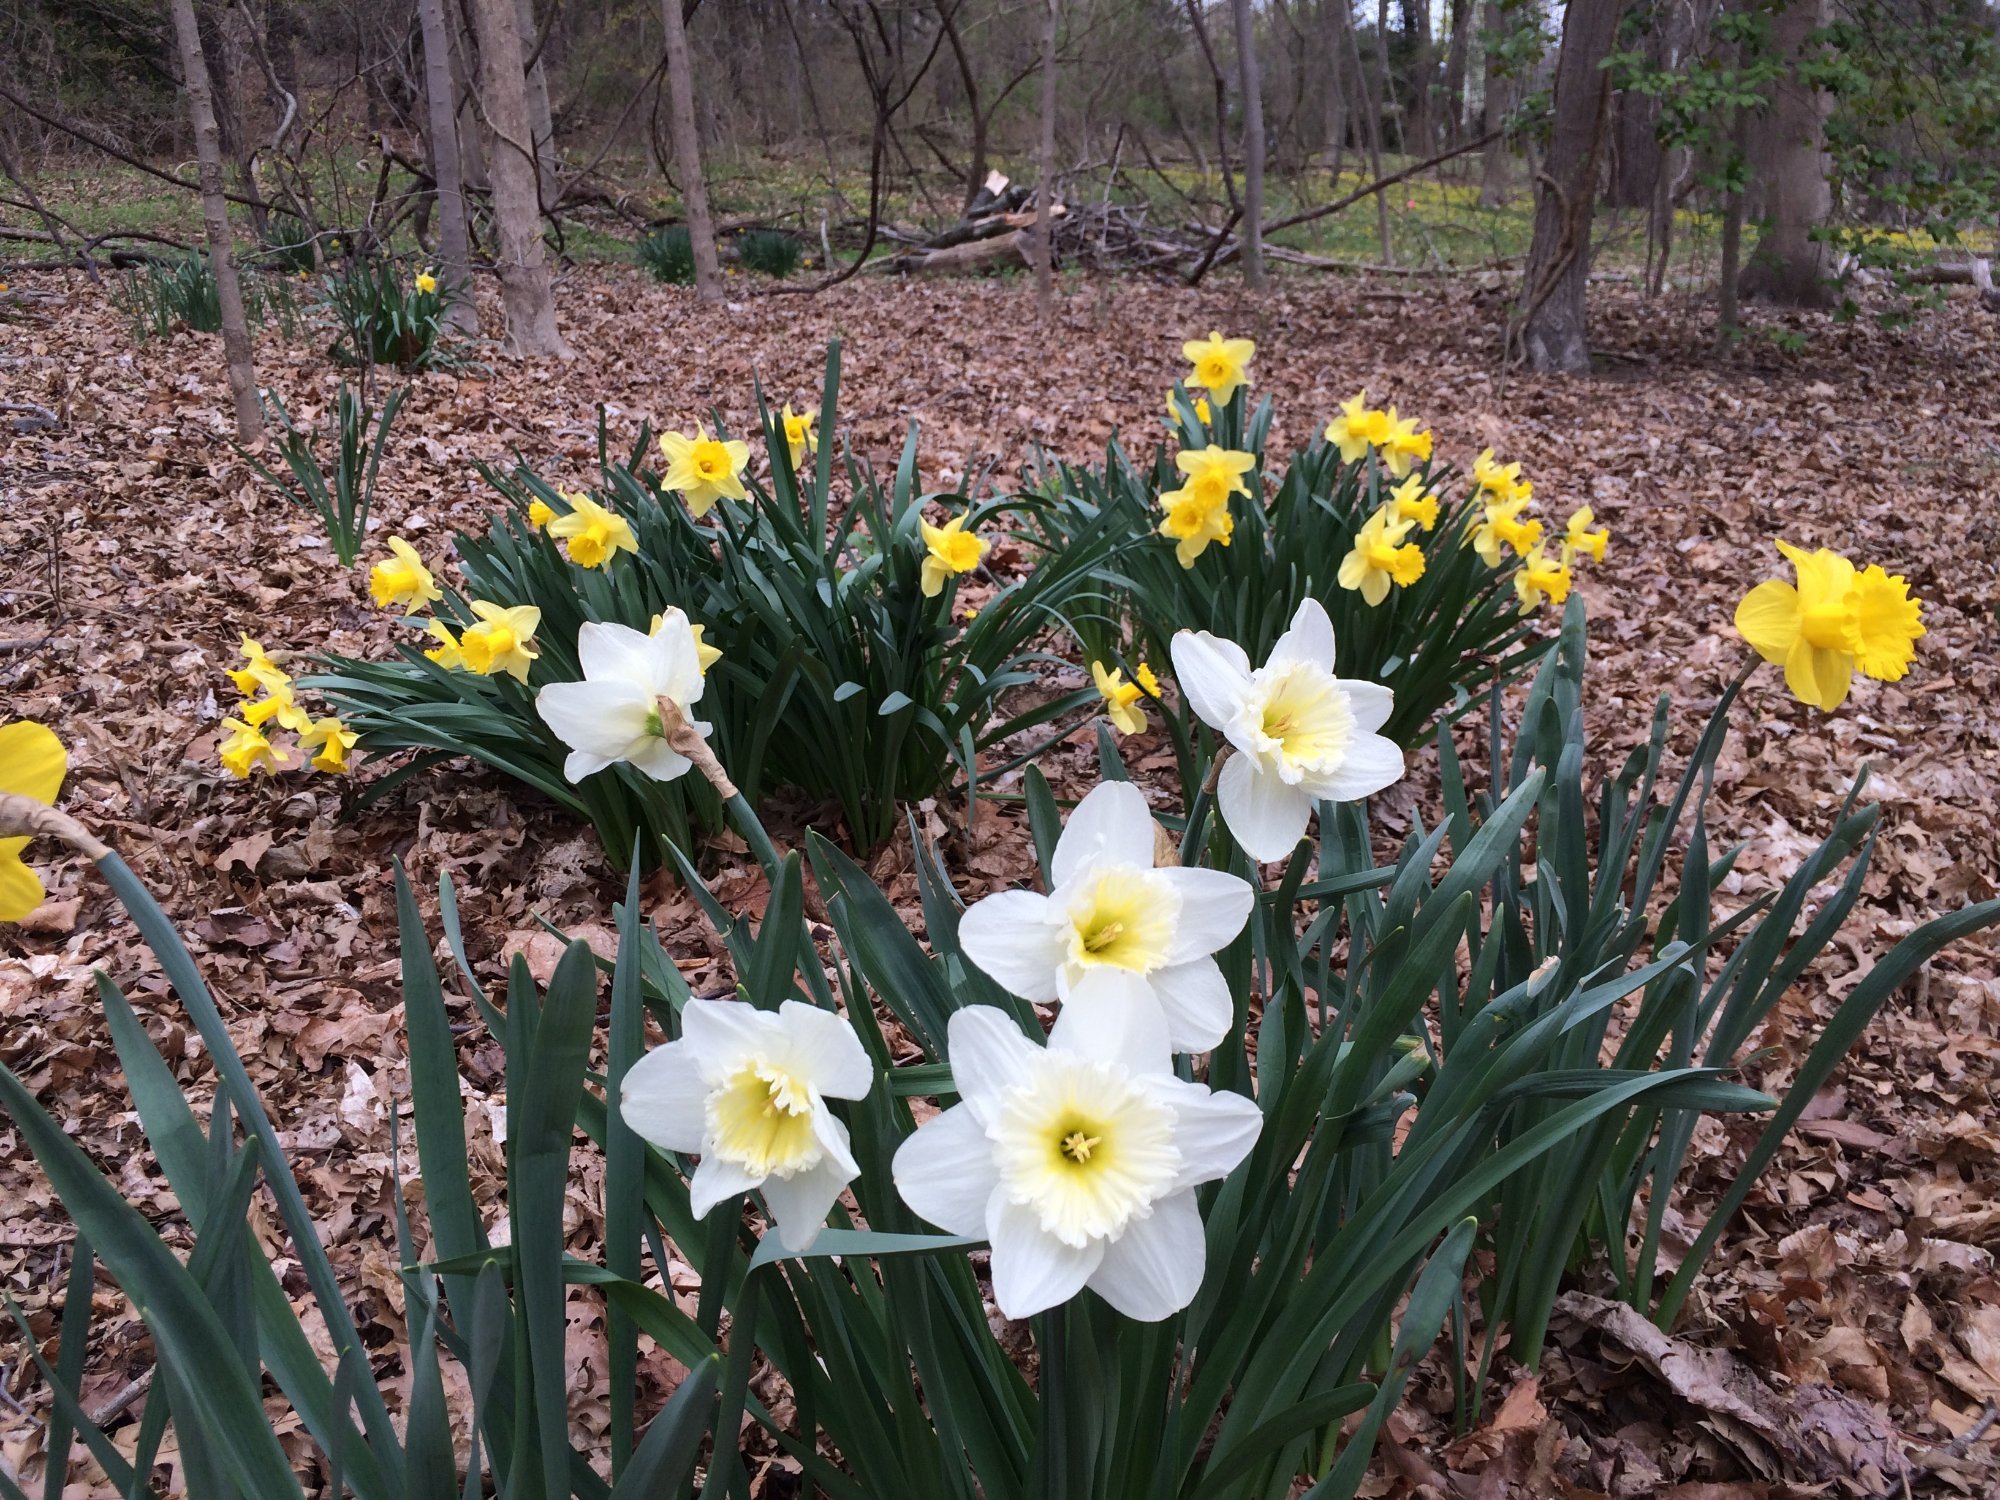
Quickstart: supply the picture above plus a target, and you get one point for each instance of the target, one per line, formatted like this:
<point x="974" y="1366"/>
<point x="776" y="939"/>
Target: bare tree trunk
<point x="517" y="211"/>
<point x="1045" y="169"/>
<point x="454" y="249"/>
<point x="1789" y="265"/>
<point x="215" y="215"/>
<point x="687" y="155"/>
<point x="1423" y="60"/>
<point x="1493" y="162"/>
<point x="1454" y="70"/>
<point x="541" y="121"/>
<point x="1371" y="98"/>
<point x="1335" y="19"/>
<point x="1549" y="327"/>
<point x="465" y="90"/>
<point x="1253" y="144"/>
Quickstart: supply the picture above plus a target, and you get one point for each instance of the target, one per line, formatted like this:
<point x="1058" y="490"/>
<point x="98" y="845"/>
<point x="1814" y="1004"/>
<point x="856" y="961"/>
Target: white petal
<point x="1372" y="703"/>
<point x="1195" y="999"/>
<point x="1154" y="1268"/>
<point x="1214" y="675"/>
<point x="1032" y="1269"/>
<point x="1309" y="640"/>
<point x="822" y="1049"/>
<point x="664" y="1098"/>
<point x="605" y="718"/>
<point x="617" y="653"/>
<point x="945" y="1172"/>
<point x="716" y="1181"/>
<point x="658" y="759"/>
<point x="1214" y="1129"/>
<point x="721" y="1033"/>
<point x="1369" y="764"/>
<point x="581" y="763"/>
<point x="1110" y="826"/>
<point x="1013" y="938"/>
<point x="1214" y="907"/>
<point x="988" y="1054"/>
<point x="800" y="1203"/>
<point x="1266" y="816"/>
<point x="833" y="1141"/>
<point x="677" y="662"/>
<point x="1112" y="1015"/>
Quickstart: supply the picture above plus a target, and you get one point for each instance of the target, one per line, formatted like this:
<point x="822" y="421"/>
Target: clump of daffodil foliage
<point x="1154" y="1175"/>
<point x="1431" y="581"/>
<point x="833" y="653"/>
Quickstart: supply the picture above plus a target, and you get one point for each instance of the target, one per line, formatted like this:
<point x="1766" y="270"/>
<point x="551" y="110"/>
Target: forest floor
<point x="1859" y="1282"/>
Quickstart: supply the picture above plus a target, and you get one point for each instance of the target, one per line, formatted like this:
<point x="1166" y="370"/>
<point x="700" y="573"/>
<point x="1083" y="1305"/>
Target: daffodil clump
<point x="1834" y="621"/>
<point x="270" y="704"/>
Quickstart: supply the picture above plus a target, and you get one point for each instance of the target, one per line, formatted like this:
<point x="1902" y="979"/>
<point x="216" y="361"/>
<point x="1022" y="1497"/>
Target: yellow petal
<point x="1817" y="676"/>
<point x="20" y="888"/>
<point x="1768" y="618"/>
<point x="32" y="760"/>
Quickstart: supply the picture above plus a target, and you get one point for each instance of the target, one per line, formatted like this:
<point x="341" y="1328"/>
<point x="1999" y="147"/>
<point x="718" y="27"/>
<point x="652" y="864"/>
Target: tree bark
<point x="687" y="155"/>
<point x="454" y="271"/>
<point x="517" y="214"/>
<point x="1790" y="266"/>
<point x="1454" y="70"/>
<point x="1423" y="60"/>
<point x="1252" y="87"/>
<point x="541" y="120"/>
<point x="1045" y="170"/>
<point x="1334" y="18"/>
<point x="1371" y="98"/>
<point x="215" y="215"/>
<point x="465" y="91"/>
<point x="1549" y="328"/>
<point x="1493" y="165"/>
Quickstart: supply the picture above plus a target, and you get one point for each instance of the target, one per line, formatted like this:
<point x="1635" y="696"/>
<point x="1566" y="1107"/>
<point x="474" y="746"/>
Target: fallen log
<point x="973" y="255"/>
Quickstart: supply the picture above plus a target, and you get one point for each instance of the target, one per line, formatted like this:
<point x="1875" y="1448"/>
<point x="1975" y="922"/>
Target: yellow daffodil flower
<point x="540" y="513"/>
<point x="948" y="549"/>
<point x="702" y="469"/>
<point x="1198" y="512"/>
<point x="446" y="653"/>
<point x="262" y="672"/>
<point x="1203" y="413"/>
<point x="1501" y="527"/>
<point x="1502" y="481"/>
<point x="1146" y="680"/>
<point x="401" y="579"/>
<point x="279" y="704"/>
<point x="1221" y="366"/>
<point x="593" y="533"/>
<point x="1405" y="445"/>
<point x="1358" y="428"/>
<point x="1579" y="538"/>
<point x="502" y="641"/>
<point x="1541" y="579"/>
<point x="1381" y="557"/>
<point x="799" y="434"/>
<point x="246" y="749"/>
<point x="426" y="283"/>
<point x="1413" y="503"/>
<point x="32" y="764"/>
<point x="333" y="739"/>
<point x="1121" y="699"/>
<point x="705" y="655"/>
<point x="1835" y="620"/>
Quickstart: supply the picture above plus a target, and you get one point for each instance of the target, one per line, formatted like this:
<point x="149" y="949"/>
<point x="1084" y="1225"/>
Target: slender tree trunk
<point x="517" y="211"/>
<point x="1335" y="20"/>
<point x="1493" y="161"/>
<point x="215" y="215"/>
<point x="541" y="120"/>
<point x="1789" y="265"/>
<point x="687" y="155"/>
<point x="1252" y="87"/>
<point x="1045" y="170"/>
<point x="1728" y="318"/>
<point x="1375" y="92"/>
<point x="1549" y="327"/>
<point x="465" y="90"/>
<point x="1423" y="59"/>
<point x="454" y="270"/>
<point x="1454" y="70"/>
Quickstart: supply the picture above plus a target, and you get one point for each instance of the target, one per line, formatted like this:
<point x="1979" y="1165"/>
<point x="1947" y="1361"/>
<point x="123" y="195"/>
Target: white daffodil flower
<point x="747" y="1089"/>
<point x="1301" y="734"/>
<point x="614" y="713"/>
<point x="1113" y="925"/>
<point x="1077" y="1161"/>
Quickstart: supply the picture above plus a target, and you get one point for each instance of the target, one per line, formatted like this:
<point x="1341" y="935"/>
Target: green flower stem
<point x="1052" y="1431"/>
<point x="725" y="1461"/>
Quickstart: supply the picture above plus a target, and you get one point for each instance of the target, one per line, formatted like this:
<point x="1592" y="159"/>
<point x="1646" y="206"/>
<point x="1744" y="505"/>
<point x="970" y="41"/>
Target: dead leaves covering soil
<point x="1848" y="1332"/>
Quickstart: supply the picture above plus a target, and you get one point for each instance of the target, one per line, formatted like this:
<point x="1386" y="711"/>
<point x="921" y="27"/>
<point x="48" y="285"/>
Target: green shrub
<point x="669" y="254"/>
<point x="340" y="499"/>
<point x="1435" y="1103"/>
<point x="770" y="251"/>
<point x="839" y="675"/>
<point x="162" y="297"/>
<point x="385" y="321"/>
<point x="289" y="243"/>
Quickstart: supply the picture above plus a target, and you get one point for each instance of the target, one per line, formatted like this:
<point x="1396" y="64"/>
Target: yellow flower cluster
<point x="1836" y="620"/>
<point x="1198" y="512"/>
<point x="1361" y="429"/>
<point x="269" y="694"/>
<point x="502" y="637"/>
<point x="1505" y="527"/>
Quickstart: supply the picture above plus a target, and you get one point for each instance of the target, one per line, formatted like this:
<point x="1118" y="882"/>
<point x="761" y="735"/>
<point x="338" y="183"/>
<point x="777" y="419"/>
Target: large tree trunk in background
<point x="687" y="155"/>
<point x="1045" y="170"/>
<point x="454" y="270"/>
<point x="1253" y="144"/>
<point x="465" y="89"/>
<point x="1462" y="12"/>
<point x="1635" y="150"/>
<point x="1335" y="19"/>
<point x="1371" y="91"/>
<point x="1423" y="61"/>
<point x="541" y="121"/>
<point x="215" y="215"/>
<point x="1550" y="324"/>
<point x="1385" y="95"/>
<point x="1493" y="161"/>
<point x="1791" y="162"/>
<point x="517" y="211"/>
